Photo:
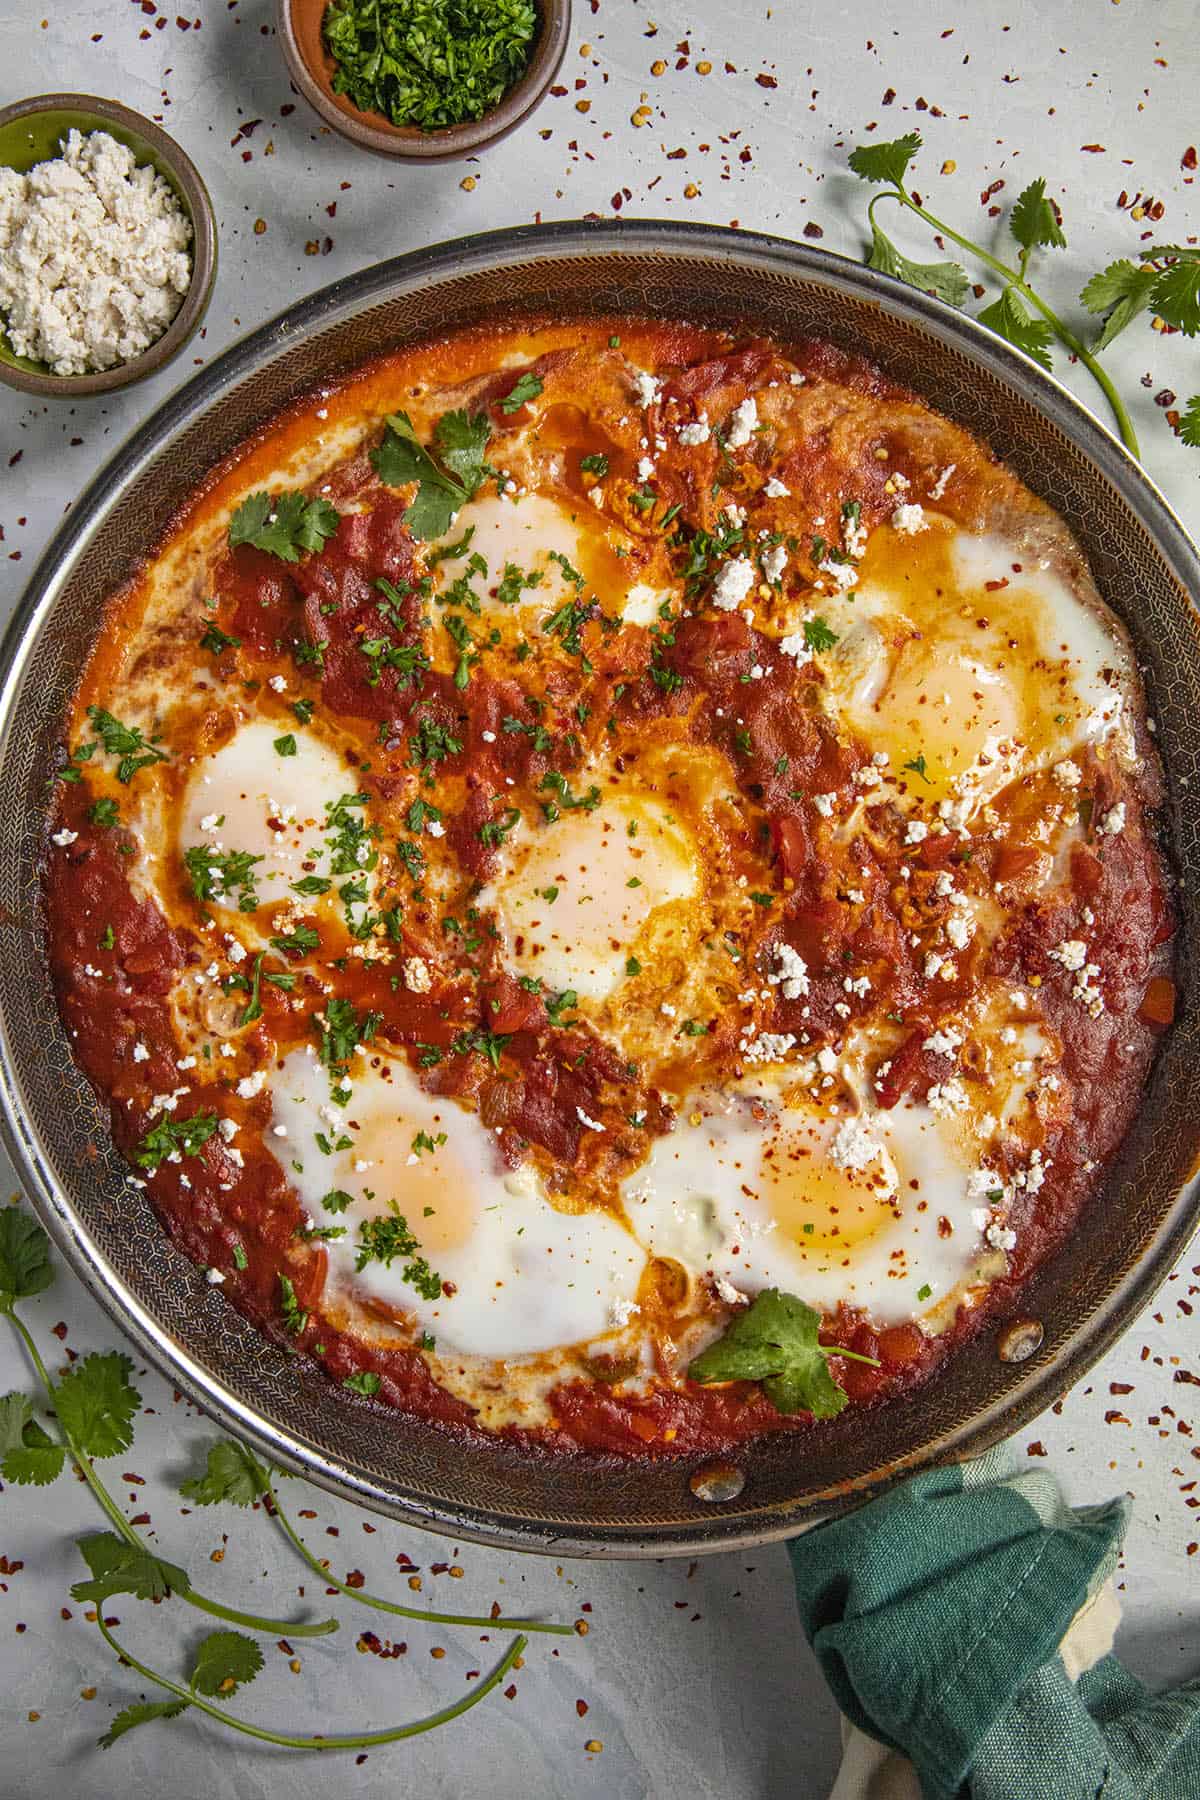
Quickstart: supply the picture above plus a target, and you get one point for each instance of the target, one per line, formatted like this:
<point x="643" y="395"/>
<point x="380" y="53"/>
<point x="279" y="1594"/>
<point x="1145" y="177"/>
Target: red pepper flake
<point x="10" y="1568"/>
<point x="889" y="96"/>
<point x="1188" y="159"/>
<point x="1115" y="1418"/>
<point x="60" y="1330"/>
<point x="1093" y="149"/>
<point x="813" y="230"/>
<point x="356" y="1579"/>
<point x="1120" y="1387"/>
<point x="510" y="1692"/>
<point x="1036" y="1449"/>
<point x="987" y="193"/>
<point x="581" y="1707"/>
<point x="766" y="81"/>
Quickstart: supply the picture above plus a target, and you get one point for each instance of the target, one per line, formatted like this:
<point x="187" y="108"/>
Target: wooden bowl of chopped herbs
<point x="423" y="80"/>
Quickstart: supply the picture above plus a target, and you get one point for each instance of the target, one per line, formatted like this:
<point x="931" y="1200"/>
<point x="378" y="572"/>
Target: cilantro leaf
<point x="119" y="1567"/>
<point x="142" y="1712"/>
<point x="284" y="525"/>
<point x="1122" y="291"/>
<point x="28" y="1455"/>
<point x="24" y="1257"/>
<point x="1010" y="319"/>
<point x="775" y="1341"/>
<point x="527" y="387"/>
<point x="1176" y="297"/>
<point x="225" y="1661"/>
<point x="1033" y="220"/>
<point x="460" y="439"/>
<point x="232" y="1473"/>
<point x="885" y="162"/>
<point x="944" y="280"/>
<point x="817" y="634"/>
<point x="1189" y="424"/>
<point x="95" y="1403"/>
<point x="401" y="458"/>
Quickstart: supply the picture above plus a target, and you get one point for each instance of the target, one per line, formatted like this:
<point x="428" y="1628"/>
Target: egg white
<point x="245" y="796"/>
<point x="525" y="1277"/>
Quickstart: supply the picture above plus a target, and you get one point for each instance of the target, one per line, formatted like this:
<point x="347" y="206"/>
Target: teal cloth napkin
<point x="936" y="1613"/>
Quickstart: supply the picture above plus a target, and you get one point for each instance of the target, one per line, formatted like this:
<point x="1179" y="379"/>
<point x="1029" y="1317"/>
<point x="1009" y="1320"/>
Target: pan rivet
<point x="1019" y="1340"/>
<point x="717" y="1481"/>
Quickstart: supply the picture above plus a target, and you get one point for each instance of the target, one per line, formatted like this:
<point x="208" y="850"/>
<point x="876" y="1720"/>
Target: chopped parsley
<point x="595" y="464"/>
<point x="172" y="1138"/>
<point x="125" y="741"/>
<point x="341" y="1031"/>
<point x="494" y="831"/>
<point x="294" y="1316"/>
<point x="104" y="812"/>
<point x="219" y="874"/>
<point x="553" y="782"/>
<point x="364" y="1381"/>
<point x="215" y="640"/>
<point x="818" y="636"/>
<point x="386" y="1237"/>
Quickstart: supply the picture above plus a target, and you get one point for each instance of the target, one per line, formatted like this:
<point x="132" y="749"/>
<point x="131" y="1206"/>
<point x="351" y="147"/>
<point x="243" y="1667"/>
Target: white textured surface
<point x="698" y="1682"/>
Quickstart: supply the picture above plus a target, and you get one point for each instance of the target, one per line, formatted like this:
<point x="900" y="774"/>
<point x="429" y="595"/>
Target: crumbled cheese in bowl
<point x="95" y="256"/>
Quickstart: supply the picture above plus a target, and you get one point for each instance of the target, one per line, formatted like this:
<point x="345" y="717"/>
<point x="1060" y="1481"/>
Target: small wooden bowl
<point x="30" y="132"/>
<point x="312" y="68"/>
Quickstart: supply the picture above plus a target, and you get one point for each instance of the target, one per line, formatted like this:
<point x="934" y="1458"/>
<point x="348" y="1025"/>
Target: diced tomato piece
<point x="791" y="845"/>
<point x="1013" y="860"/>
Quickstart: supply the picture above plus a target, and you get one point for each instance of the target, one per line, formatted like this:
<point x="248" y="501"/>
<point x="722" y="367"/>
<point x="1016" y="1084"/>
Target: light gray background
<point x="696" y="1678"/>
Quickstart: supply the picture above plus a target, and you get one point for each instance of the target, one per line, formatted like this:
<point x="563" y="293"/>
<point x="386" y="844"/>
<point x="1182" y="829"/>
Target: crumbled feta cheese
<point x="917" y="832"/>
<point x="1113" y="821"/>
<point x="210" y="821"/>
<point x="1067" y="774"/>
<point x="775" y="490"/>
<point x="647" y="387"/>
<point x="947" y="1097"/>
<point x="94" y="256"/>
<point x="64" y="837"/>
<point x="250" y="1085"/>
<point x="827" y="1060"/>
<point x="743" y="421"/>
<point x="435" y="828"/>
<point x="943" y="887"/>
<point x="933" y="965"/>
<point x="774" y="562"/>
<point x="1001" y="1237"/>
<point x="590" y="1124"/>
<point x="844" y="575"/>
<point x="854" y="1146"/>
<point x="621" y="1311"/>
<point x="1071" y="953"/>
<point x="278" y="684"/>
<point x="228" y="1129"/>
<point x="235" y="951"/>
<point x="943" y="1042"/>
<point x="213" y="1277"/>
<point x="733" y="583"/>
<point x="791" y="973"/>
<point x="140" y="1053"/>
<point x="697" y="432"/>
<point x="727" y="1292"/>
<point x="795" y="645"/>
<point x="909" y="518"/>
<point x="645" y="468"/>
<point x="939" y="487"/>
<point x="767" y="1047"/>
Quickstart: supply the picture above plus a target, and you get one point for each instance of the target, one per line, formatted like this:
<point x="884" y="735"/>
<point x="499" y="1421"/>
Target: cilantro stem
<point x="1016" y="277"/>
<point x="360" y="1741"/>
<point x="253" y="1621"/>
<point x="391" y="1606"/>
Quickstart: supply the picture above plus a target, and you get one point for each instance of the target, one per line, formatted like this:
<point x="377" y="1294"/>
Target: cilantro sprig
<point x="95" y="1405"/>
<point x="284" y="525"/>
<point x="775" y="1341"/>
<point x="1163" y="279"/>
<point x="443" y="485"/>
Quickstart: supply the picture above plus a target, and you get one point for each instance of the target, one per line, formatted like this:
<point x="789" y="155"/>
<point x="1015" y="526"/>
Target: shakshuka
<point x="606" y="873"/>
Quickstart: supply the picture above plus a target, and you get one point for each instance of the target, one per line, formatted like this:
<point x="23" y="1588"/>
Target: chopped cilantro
<point x="283" y="525"/>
